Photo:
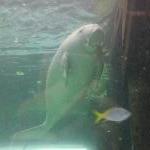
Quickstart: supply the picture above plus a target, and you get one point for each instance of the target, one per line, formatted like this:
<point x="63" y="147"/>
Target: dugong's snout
<point x="97" y="38"/>
<point x="97" y="42"/>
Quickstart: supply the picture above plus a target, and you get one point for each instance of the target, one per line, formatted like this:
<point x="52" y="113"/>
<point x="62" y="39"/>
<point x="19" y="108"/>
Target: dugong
<point x="76" y="63"/>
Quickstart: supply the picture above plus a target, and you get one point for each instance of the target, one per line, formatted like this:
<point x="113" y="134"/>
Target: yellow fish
<point x="116" y="114"/>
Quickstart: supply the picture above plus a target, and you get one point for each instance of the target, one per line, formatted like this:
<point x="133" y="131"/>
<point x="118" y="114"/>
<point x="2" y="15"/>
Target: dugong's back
<point x="71" y="71"/>
<point x="74" y="52"/>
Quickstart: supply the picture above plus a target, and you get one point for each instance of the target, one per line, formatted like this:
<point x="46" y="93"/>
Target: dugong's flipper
<point x="66" y="66"/>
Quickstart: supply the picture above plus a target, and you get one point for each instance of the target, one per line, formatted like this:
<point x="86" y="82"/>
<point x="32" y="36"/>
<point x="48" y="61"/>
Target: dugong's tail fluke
<point x="30" y="134"/>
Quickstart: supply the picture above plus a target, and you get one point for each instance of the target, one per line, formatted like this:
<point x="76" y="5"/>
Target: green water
<point x="30" y="34"/>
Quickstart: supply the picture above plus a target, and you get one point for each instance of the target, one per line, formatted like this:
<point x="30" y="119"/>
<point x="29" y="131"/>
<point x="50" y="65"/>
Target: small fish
<point x="20" y="73"/>
<point x="116" y="114"/>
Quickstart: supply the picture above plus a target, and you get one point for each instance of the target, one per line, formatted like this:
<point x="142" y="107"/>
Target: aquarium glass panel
<point x="64" y="83"/>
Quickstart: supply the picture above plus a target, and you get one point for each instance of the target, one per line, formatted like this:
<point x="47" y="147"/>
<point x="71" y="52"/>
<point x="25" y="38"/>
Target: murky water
<point x="39" y="26"/>
<point x="30" y="33"/>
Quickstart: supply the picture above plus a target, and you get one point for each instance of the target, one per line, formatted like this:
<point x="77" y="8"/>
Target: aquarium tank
<point x="74" y="74"/>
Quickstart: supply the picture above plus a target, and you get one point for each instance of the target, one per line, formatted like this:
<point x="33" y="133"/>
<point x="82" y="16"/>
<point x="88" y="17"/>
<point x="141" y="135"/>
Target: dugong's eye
<point x="81" y="30"/>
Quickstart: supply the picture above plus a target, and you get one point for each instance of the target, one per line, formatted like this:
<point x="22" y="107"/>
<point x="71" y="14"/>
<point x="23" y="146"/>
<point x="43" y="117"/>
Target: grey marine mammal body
<point x="71" y="71"/>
